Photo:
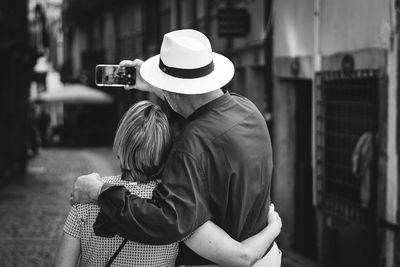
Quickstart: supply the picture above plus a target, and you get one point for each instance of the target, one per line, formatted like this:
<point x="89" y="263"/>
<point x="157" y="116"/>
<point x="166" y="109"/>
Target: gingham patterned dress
<point x="96" y="251"/>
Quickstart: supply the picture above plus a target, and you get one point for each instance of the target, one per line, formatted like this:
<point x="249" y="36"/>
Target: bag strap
<point x="116" y="252"/>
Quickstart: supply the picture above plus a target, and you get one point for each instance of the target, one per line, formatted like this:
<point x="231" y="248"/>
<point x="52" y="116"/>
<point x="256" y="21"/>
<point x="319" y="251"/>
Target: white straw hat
<point x="187" y="65"/>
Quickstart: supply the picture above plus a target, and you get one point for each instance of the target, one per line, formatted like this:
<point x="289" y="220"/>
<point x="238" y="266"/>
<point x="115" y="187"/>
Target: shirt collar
<point x="210" y="105"/>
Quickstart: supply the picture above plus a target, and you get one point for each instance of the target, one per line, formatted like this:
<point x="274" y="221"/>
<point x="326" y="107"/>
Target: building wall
<point x="365" y="29"/>
<point x="362" y="24"/>
<point x="293" y="28"/>
<point x="344" y="26"/>
<point x="292" y="38"/>
<point x="17" y="64"/>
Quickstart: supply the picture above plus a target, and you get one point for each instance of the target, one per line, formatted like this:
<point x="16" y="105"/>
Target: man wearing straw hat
<point x="220" y="166"/>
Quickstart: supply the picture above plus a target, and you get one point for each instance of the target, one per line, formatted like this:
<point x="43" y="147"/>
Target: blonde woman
<point x="142" y="141"/>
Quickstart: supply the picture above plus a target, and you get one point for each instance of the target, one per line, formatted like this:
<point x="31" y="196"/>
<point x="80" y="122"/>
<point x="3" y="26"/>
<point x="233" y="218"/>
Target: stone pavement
<point x="33" y="208"/>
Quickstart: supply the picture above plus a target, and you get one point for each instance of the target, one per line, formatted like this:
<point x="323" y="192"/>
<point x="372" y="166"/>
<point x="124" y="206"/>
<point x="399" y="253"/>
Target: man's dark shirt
<point x="218" y="169"/>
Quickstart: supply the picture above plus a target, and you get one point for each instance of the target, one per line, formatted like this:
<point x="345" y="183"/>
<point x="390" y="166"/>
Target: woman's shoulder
<point x="82" y="209"/>
<point x="143" y="190"/>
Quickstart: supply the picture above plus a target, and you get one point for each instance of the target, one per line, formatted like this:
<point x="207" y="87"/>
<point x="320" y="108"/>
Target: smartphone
<point x="114" y="75"/>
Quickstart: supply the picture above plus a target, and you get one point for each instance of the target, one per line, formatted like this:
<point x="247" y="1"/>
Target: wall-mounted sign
<point x="233" y="22"/>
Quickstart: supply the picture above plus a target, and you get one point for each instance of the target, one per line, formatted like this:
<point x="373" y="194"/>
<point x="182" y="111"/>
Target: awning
<point x="75" y="94"/>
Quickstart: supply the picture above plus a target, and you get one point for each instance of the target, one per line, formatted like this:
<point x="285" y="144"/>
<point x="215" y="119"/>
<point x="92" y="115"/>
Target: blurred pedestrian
<point x="40" y="79"/>
<point x="44" y="123"/>
<point x="33" y="129"/>
<point x="142" y="141"/>
<point x="40" y="71"/>
<point x="220" y="166"/>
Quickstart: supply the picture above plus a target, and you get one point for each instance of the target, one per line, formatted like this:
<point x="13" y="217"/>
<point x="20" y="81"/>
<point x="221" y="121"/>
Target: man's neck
<point x="194" y="102"/>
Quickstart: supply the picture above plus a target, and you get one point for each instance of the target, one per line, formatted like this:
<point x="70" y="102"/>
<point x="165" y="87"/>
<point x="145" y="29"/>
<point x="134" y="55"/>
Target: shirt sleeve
<point x="72" y="224"/>
<point x="179" y="205"/>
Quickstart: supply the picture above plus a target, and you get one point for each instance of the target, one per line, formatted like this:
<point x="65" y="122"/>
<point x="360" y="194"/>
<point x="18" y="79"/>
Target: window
<point x="346" y="111"/>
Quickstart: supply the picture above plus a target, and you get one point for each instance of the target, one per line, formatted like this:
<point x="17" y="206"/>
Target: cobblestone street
<point x="33" y="208"/>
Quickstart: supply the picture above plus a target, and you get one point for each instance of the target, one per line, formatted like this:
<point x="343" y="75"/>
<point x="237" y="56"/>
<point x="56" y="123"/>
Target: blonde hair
<point x="142" y="141"/>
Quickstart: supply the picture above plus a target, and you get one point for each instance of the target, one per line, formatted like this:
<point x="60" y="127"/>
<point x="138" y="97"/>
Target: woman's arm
<point x="214" y="244"/>
<point x="259" y="243"/>
<point x="68" y="251"/>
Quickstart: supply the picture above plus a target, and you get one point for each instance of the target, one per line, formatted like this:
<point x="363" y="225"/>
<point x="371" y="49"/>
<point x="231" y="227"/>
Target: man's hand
<point x="140" y="83"/>
<point x="274" y="220"/>
<point x="86" y="189"/>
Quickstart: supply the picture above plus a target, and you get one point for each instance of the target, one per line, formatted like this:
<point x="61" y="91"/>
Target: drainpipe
<point x="320" y="219"/>
<point x="317" y="67"/>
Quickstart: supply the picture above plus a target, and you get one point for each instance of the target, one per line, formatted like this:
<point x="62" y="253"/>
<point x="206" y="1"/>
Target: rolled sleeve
<point x="179" y="204"/>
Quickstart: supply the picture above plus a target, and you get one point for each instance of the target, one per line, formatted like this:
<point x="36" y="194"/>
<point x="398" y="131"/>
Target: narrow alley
<point x="323" y="75"/>
<point x="34" y="208"/>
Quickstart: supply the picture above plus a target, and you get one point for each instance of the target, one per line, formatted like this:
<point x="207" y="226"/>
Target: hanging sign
<point x="233" y="22"/>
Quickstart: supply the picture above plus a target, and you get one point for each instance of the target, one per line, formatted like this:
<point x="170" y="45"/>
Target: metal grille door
<point x="346" y="127"/>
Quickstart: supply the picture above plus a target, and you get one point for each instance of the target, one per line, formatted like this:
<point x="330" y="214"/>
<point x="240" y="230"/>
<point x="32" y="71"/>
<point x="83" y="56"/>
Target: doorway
<point x="305" y="222"/>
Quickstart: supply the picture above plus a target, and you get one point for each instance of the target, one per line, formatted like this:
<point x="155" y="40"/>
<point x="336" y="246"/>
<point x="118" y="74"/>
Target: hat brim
<point x="221" y="75"/>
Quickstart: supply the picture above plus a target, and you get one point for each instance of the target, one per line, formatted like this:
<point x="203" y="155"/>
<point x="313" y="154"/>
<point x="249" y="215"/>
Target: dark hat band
<point x="187" y="73"/>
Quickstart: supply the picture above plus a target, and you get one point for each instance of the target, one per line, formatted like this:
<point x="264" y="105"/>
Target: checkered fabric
<point x="96" y="251"/>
